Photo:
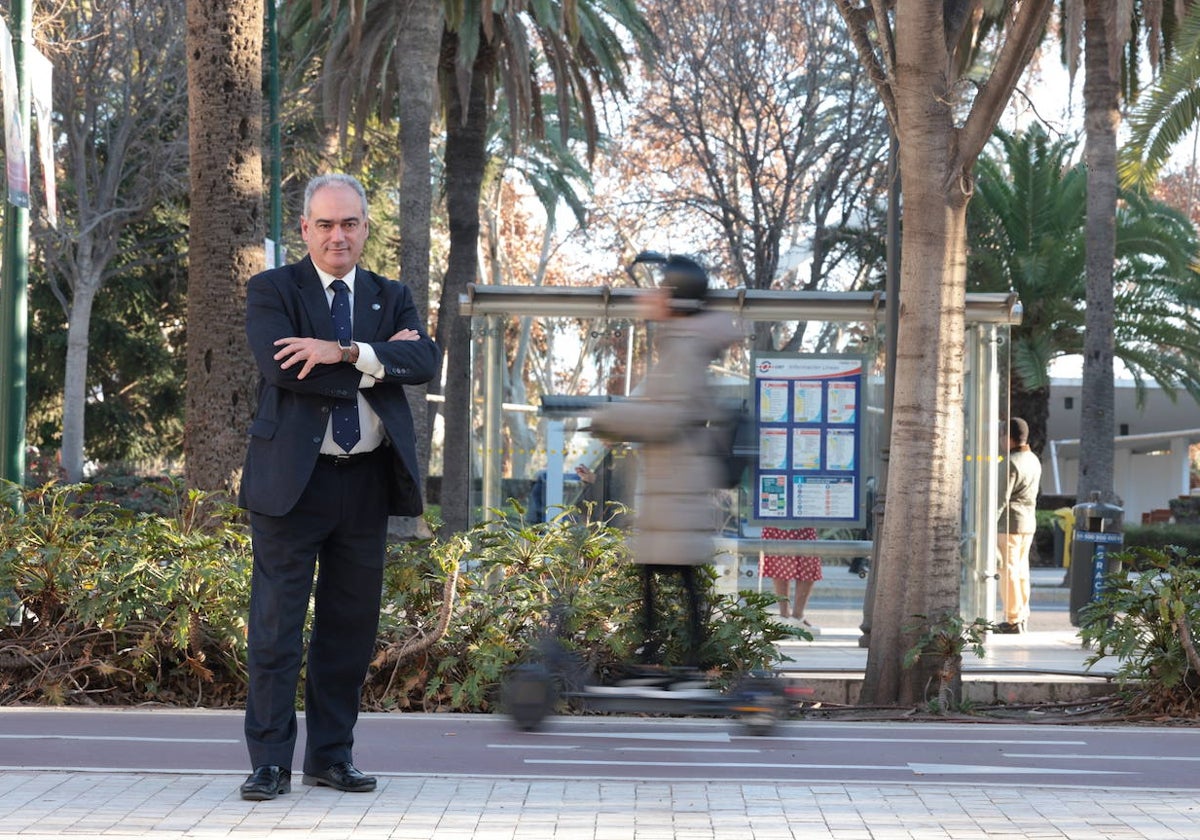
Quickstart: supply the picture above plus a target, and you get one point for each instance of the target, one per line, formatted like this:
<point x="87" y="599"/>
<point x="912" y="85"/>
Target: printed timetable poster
<point x="808" y="411"/>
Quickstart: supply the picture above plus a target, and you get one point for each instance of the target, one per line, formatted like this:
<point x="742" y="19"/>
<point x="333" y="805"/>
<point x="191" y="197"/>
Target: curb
<point x="982" y="689"/>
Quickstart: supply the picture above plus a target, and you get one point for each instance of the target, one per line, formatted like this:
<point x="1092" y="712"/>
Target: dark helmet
<point x="687" y="282"/>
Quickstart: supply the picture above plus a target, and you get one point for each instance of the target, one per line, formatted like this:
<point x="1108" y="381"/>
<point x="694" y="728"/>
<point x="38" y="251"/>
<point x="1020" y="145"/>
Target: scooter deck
<point x="662" y="702"/>
<point x="532" y="692"/>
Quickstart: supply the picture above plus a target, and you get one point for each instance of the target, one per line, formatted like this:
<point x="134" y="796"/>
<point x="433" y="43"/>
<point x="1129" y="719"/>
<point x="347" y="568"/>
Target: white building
<point x="1151" y="461"/>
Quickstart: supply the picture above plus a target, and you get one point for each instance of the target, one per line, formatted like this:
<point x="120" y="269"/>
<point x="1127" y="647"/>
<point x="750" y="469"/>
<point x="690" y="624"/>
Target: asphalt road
<point x="481" y="746"/>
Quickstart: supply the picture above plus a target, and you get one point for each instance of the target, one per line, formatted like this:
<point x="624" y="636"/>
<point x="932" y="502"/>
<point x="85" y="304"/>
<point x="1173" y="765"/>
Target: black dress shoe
<point x="342" y="776"/>
<point x="1010" y="627"/>
<point x="267" y="782"/>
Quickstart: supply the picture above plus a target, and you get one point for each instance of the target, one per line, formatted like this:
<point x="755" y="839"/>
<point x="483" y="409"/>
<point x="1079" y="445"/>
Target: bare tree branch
<point x="1028" y="26"/>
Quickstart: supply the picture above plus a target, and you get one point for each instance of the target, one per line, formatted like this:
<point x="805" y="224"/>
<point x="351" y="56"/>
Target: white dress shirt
<point x="368" y="364"/>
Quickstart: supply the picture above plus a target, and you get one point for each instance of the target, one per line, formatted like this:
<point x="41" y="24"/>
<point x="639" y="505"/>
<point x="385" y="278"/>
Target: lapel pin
<point x="375" y="306"/>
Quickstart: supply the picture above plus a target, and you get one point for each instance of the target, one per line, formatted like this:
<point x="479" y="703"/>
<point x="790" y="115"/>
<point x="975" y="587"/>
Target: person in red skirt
<point x="782" y="569"/>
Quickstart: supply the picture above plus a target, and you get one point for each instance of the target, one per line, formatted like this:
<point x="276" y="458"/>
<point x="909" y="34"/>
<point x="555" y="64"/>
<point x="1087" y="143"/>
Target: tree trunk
<point x="1101" y="118"/>
<point x="920" y="564"/>
<point x="418" y="48"/>
<point x="75" y="376"/>
<point x="466" y="157"/>
<point x="224" y="48"/>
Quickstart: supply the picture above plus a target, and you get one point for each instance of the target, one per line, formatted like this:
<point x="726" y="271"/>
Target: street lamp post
<point x="14" y="280"/>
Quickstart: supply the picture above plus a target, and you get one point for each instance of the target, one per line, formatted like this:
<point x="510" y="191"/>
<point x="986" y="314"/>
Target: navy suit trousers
<point x="337" y="530"/>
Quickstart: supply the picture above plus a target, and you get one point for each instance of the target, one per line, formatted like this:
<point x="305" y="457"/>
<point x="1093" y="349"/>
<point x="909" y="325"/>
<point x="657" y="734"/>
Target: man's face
<point x="335" y="229"/>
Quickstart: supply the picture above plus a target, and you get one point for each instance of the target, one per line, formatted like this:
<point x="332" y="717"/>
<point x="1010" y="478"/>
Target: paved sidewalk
<point x="40" y="806"/>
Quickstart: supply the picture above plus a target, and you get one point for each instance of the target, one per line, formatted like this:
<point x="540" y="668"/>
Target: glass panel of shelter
<point x="528" y="434"/>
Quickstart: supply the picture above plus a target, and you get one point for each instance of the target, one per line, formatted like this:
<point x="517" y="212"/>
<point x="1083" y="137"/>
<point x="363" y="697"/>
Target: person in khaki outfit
<point x="1017" y="524"/>
<point x="675" y="507"/>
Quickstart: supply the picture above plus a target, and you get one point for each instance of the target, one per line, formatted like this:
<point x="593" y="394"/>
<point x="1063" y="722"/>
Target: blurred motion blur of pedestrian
<point x="675" y="511"/>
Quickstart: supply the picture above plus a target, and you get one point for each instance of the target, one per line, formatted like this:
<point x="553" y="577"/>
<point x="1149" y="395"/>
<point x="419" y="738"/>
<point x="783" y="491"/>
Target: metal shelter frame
<point x="987" y="316"/>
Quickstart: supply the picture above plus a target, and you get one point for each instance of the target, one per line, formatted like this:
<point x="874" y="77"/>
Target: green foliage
<point x="946" y="638"/>
<point x="119" y="606"/>
<point x="524" y="584"/>
<point x="114" y="605"/>
<point x="1147" y="619"/>
<point x="1028" y="235"/>
<point x="136" y="357"/>
<point x="1160" y="537"/>
<point x="1166" y="112"/>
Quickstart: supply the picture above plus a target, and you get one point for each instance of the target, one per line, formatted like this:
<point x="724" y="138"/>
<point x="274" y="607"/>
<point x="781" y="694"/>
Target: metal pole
<point x="14" y="309"/>
<point x="493" y="414"/>
<point x="276" y="140"/>
<point x="983" y="443"/>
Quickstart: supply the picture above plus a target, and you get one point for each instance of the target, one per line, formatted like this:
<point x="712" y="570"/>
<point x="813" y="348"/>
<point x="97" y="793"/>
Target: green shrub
<point x="1147" y="619"/>
<point x="121" y="607"/>
<point x="523" y="584"/>
<point x="1160" y="537"/>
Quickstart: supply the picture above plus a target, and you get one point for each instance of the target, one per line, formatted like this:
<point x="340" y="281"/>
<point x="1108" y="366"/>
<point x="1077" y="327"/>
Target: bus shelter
<point x="573" y="348"/>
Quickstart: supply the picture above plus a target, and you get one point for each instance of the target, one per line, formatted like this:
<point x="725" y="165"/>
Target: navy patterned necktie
<point x="345" y="411"/>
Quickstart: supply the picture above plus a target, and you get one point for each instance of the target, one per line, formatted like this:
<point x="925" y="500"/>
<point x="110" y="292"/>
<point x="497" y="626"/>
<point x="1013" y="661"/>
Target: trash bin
<point x="1097" y="536"/>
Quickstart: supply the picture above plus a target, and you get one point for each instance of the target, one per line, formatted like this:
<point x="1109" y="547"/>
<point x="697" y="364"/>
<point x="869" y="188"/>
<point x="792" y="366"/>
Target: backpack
<point x="734" y="441"/>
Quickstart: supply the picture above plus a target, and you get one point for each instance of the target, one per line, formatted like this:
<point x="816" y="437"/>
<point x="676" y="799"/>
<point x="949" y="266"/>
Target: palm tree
<point x="224" y="49"/>
<point x="581" y="47"/>
<point x="573" y="49"/>
<point x="1028" y="234"/>
<point x="372" y="52"/>
<point x="1165" y="112"/>
<point x="1111" y="64"/>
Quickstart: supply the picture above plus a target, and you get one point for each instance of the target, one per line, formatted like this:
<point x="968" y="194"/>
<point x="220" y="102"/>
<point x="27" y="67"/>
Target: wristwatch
<point x="347" y="350"/>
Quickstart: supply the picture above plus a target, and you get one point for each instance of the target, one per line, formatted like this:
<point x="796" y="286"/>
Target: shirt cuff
<point x="368" y="364"/>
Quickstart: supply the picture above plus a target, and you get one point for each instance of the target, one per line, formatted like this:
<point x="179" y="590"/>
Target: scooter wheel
<point x="760" y="704"/>
<point x="759" y="724"/>
<point x="529" y="694"/>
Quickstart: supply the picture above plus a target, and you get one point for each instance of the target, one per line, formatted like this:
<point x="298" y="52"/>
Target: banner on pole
<point x="16" y="138"/>
<point x="41" y="83"/>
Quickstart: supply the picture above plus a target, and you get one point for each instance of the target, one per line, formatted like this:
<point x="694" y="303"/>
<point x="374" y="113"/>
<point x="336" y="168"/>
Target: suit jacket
<point x="286" y="433"/>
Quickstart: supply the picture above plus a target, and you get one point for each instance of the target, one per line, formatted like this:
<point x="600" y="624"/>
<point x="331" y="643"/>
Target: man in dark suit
<point x="331" y="455"/>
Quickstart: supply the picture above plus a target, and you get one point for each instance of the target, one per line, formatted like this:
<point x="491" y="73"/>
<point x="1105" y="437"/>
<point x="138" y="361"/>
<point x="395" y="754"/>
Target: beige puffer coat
<point x="675" y="509"/>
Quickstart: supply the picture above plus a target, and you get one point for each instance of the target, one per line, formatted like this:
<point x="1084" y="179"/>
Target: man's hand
<point x="311" y="351"/>
<point x="314" y="351"/>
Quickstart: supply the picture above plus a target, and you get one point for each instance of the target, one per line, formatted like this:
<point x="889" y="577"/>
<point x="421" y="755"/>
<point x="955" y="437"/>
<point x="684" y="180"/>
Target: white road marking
<point x="757" y="765"/>
<point x="725" y="737"/>
<point x="977" y="769"/>
<point x="690" y="737"/>
<point x="1056" y="756"/>
<point x="533" y="746"/>
<point x="883" y="739"/>
<point x="685" y="750"/>
<point x="136" y="738"/>
<point x="918" y="769"/>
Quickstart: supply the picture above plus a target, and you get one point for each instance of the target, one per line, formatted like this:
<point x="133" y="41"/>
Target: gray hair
<point x="331" y="179"/>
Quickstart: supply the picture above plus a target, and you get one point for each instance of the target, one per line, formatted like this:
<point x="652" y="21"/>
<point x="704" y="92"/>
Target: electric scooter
<point x="532" y="692"/>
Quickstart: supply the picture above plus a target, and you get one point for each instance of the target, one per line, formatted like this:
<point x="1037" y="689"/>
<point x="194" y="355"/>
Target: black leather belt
<point x="347" y="460"/>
